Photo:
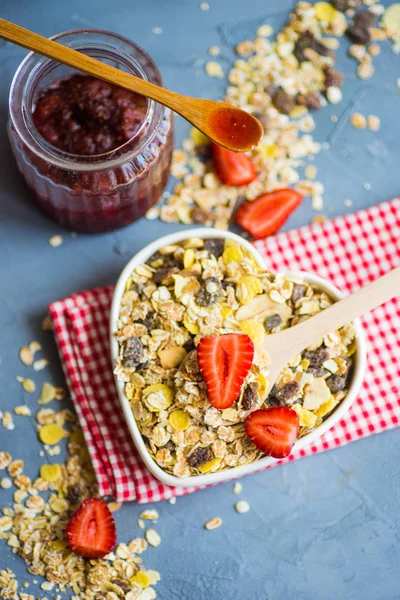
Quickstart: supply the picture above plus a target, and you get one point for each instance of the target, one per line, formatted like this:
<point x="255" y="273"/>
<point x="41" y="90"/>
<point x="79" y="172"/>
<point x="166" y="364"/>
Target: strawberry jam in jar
<point x="95" y="156"/>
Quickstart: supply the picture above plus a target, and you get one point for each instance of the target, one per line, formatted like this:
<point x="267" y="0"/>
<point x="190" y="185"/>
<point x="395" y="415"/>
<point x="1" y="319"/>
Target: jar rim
<point x="33" y="66"/>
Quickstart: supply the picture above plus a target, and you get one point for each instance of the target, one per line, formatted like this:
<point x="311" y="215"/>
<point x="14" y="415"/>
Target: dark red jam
<point x="86" y="116"/>
<point x="95" y="157"/>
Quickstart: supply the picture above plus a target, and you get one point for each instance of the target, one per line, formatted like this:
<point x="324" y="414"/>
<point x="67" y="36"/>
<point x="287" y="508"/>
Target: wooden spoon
<point x="226" y="125"/>
<point x="282" y="347"/>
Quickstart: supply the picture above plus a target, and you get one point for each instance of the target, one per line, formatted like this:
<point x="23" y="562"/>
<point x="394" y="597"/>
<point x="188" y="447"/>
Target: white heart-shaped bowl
<point x="206" y="233"/>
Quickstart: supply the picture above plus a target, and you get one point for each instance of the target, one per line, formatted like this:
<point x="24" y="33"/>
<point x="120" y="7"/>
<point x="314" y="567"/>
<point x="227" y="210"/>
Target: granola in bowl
<point x="200" y="288"/>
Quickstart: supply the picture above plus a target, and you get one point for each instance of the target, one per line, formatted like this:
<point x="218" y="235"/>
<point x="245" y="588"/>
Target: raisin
<point x="272" y="322"/>
<point x="150" y="321"/>
<point x="215" y="246"/>
<point x="203" y="152"/>
<point x="200" y="456"/>
<point x="164" y="273"/>
<point x="311" y="100"/>
<point x="297" y="293"/>
<point x="308" y="40"/>
<point x="74" y="494"/>
<point x="336" y="383"/>
<point x="189" y="346"/>
<point x="250" y="397"/>
<point x="210" y="293"/>
<point x="332" y="78"/>
<point x="133" y="352"/>
<point x="316" y="359"/>
<point x="359" y="35"/>
<point x="124" y="585"/>
<point x="283" y="102"/>
<point x="343" y="5"/>
<point x="365" y="19"/>
<point x="199" y="216"/>
<point x="288" y="392"/>
<point x="169" y="446"/>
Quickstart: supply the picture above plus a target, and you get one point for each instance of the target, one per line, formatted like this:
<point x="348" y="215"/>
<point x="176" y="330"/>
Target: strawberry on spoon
<point x="273" y="430"/>
<point x="91" y="530"/>
<point x="224" y="362"/>
<point x="233" y="168"/>
<point x="266" y="214"/>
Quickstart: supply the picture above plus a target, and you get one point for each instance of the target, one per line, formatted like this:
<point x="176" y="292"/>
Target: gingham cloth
<point x="350" y="251"/>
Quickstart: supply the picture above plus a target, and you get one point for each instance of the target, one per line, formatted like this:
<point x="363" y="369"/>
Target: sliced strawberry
<point x="233" y="168"/>
<point x="224" y="362"/>
<point x="91" y="530"/>
<point x="266" y="214"/>
<point x="273" y="430"/>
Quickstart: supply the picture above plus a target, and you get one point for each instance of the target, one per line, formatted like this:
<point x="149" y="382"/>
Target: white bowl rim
<point x="260" y="464"/>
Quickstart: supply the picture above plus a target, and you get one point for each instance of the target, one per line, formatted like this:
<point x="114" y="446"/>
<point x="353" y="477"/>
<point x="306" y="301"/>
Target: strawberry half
<point x="266" y="214"/>
<point x="91" y="530"/>
<point x="273" y="430"/>
<point x="233" y="168"/>
<point x="224" y="362"/>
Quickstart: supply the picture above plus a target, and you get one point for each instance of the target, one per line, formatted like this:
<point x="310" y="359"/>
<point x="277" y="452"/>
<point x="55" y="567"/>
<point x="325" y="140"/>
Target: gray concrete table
<point x="326" y="527"/>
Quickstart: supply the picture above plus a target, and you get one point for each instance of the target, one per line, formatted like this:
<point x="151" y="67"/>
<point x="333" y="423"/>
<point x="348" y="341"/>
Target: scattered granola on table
<point x="200" y="288"/>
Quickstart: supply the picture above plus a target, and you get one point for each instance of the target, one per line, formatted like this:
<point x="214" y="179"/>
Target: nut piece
<point x="263" y="306"/>
<point x="242" y="507"/>
<point x="133" y="352"/>
<point x="172" y="357"/>
<point x="213" y="523"/>
<point x="316" y="393"/>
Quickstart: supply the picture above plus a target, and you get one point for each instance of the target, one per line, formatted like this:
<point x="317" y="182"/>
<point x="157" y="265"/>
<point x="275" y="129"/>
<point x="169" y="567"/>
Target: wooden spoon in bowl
<point x="282" y="347"/>
<point x="226" y="125"/>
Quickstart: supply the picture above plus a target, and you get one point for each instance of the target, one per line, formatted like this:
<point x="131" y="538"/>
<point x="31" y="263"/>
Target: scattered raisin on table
<point x="332" y="78"/>
<point x="199" y="216"/>
<point x="250" y="397"/>
<point x="272" y="322"/>
<point x="214" y="246"/>
<point x="283" y="102"/>
<point x="310" y="100"/>
<point x="200" y="456"/>
<point x="308" y="40"/>
<point x="133" y="352"/>
<point x="343" y="5"/>
<point x="365" y="18"/>
<point x="359" y="35"/>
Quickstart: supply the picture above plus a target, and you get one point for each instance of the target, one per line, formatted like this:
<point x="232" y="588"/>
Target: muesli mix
<point x="204" y="289"/>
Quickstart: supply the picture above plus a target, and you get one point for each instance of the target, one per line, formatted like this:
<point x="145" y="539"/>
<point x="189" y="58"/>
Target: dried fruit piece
<point x="171" y="357"/>
<point x="344" y="5"/>
<point x="254" y="330"/>
<point x="266" y="214"/>
<point x="179" y="420"/>
<point x="132" y="352"/>
<point x="273" y="430"/>
<point x="283" y="102"/>
<point x="308" y="40"/>
<point x="250" y="397"/>
<point x="332" y="78"/>
<point x="324" y="12"/>
<point x="91" y="530"/>
<point x="192" y="327"/>
<point x="298" y="292"/>
<point x="272" y="322"/>
<point x="199" y="216"/>
<point x="233" y="168"/>
<point x="141" y="578"/>
<point x="336" y="383"/>
<point x="200" y="456"/>
<point x="51" y="434"/>
<point x="50" y="473"/>
<point x="224" y="362"/>
<point x="311" y="100"/>
<point x="214" y="246"/>
<point x="316" y="360"/>
<point x="287" y="393"/>
<point x="210" y="293"/>
<point x="252" y="286"/>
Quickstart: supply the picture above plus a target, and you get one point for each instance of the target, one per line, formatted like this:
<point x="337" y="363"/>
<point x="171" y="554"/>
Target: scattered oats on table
<point x="56" y="240"/>
<point x="213" y="523"/>
<point x="242" y="507"/>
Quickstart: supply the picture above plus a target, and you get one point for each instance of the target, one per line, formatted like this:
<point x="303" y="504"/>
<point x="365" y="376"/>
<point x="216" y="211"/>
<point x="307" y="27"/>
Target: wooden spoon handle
<point x="310" y="332"/>
<point x="77" y="60"/>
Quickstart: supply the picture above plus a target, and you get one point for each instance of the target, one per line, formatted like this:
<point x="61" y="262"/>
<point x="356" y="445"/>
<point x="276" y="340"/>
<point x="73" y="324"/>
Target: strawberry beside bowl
<point x="227" y="474"/>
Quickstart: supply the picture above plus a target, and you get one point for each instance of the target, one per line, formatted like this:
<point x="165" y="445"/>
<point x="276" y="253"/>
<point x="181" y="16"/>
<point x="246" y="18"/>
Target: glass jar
<point x="100" y="192"/>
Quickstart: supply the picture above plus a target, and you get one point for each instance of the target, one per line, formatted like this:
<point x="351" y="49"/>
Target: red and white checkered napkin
<point x="350" y="251"/>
